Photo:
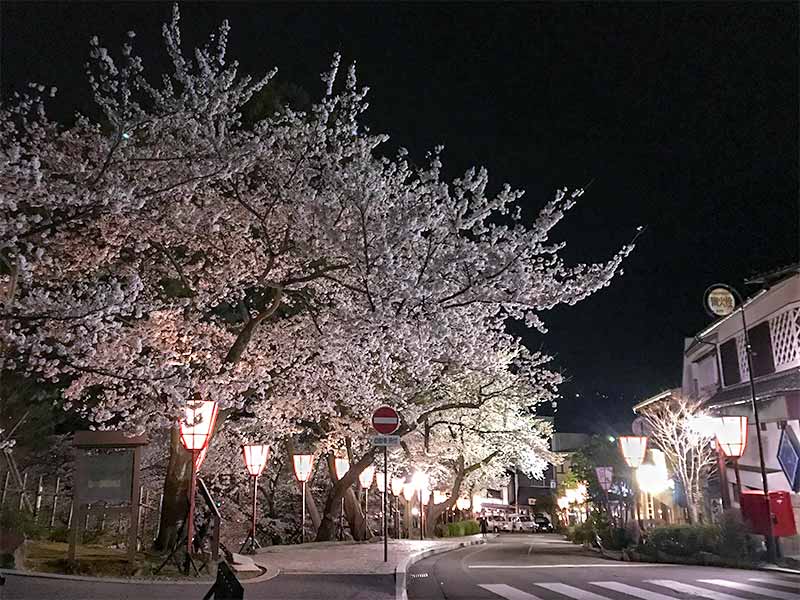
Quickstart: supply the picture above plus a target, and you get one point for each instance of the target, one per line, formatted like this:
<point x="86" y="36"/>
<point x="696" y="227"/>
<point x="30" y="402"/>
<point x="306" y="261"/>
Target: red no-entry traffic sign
<point x="385" y="420"/>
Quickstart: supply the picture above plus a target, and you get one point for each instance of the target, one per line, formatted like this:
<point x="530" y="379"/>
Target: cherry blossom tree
<point x="287" y="269"/>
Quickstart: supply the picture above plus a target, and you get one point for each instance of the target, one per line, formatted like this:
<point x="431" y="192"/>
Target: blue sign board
<point x="789" y="457"/>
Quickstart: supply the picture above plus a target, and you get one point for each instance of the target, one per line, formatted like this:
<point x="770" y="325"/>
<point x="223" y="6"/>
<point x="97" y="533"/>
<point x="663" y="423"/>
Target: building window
<point x="730" y="362"/>
<point x="761" y="344"/>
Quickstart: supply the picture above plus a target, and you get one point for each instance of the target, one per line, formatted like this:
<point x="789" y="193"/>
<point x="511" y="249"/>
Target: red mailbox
<point x="754" y="510"/>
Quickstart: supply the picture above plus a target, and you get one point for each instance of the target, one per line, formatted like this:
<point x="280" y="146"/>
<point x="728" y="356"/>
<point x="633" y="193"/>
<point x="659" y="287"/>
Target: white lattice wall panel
<point x="784" y="329"/>
<point x="741" y="352"/>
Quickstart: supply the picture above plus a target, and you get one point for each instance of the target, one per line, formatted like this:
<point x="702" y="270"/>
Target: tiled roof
<point x="766" y="387"/>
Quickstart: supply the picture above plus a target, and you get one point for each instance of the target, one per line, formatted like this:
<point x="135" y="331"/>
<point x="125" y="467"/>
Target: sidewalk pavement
<point x="352" y="558"/>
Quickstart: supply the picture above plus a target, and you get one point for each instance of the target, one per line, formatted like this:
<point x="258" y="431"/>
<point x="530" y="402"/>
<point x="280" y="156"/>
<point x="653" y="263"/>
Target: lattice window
<point x="784" y="330"/>
<point x="741" y="352"/>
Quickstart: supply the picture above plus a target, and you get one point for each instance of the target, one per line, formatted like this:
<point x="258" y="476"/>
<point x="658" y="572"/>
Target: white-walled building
<point x="715" y="371"/>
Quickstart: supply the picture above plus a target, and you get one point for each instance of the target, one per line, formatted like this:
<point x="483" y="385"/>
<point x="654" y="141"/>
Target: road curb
<point x="21" y="573"/>
<point x="401" y="571"/>
<point x="265" y="576"/>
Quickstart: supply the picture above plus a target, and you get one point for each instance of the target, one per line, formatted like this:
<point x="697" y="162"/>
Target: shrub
<point x="583" y="533"/>
<point x="734" y="539"/>
<point x="21" y="521"/>
<point x="59" y="534"/>
<point x="682" y="540"/>
<point x="461" y="528"/>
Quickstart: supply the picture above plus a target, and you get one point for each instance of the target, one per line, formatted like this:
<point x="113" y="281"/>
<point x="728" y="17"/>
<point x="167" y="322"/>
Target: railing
<point x="50" y="505"/>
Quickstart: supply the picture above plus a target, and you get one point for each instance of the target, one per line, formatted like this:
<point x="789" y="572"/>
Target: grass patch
<point x="99" y="561"/>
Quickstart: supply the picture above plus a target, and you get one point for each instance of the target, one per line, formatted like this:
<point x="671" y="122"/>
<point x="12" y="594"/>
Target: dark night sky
<point x="685" y="115"/>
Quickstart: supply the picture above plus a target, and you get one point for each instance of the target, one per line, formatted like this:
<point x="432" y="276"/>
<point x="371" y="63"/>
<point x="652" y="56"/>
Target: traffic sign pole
<point x="385" y="503"/>
<point x="385" y="420"/>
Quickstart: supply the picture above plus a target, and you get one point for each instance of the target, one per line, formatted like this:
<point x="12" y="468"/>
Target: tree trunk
<point x="343" y="489"/>
<point x="175" y="505"/>
<point x="436" y="510"/>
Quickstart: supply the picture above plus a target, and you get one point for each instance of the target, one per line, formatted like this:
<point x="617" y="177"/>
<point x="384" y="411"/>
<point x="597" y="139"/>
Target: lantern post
<point x="397" y="490"/>
<point x="420" y="483"/>
<point x="255" y="459"/>
<point x="720" y="300"/>
<point x="380" y="483"/>
<point x="303" y="463"/>
<point x="408" y="496"/>
<point x="634" y="448"/>
<point x="196" y="427"/>
<point x="341" y="466"/>
<point x="365" y="479"/>
<point x="731" y="434"/>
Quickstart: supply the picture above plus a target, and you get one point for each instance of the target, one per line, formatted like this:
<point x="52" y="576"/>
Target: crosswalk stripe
<point x="792" y="585"/>
<point x="573" y="592"/>
<point x="692" y="590"/>
<point x="753" y="589"/>
<point x="631" y="591"/>
<point x="508" y="592"/>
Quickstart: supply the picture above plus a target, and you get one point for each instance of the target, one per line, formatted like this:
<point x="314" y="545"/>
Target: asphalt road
<point x="544" y="567"/>
<point x="283" y="587"/>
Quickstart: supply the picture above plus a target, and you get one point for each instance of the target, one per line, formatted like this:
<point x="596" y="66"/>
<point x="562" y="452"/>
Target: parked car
<point x="523" y="524"/>
<point x="543" y="524"/>
<point x="498" y="523"/>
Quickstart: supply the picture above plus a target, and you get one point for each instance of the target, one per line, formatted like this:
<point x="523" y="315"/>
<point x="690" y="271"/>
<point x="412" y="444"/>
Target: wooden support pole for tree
<point x="55" y="502"/>
<point x="22" y="490"/>
<point x="37" y="507"/>
<point x="5" y="489"/>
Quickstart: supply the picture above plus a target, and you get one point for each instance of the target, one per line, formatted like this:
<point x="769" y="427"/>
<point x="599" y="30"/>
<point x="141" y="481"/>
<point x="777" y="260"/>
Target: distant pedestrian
<point x="484" y="526"/>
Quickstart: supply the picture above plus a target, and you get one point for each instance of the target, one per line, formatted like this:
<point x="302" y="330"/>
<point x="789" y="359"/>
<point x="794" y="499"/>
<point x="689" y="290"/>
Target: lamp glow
<point x="303" y="464"/>
<point x="397" y="485"/>
<point x="197" y="424"/>
<point x="633" y="449"/>
<point x="365" y="477"/>
<point x="380" y="481"/>
<point x="341" y="466"/>
<point x="732" y="435"/>
<point x="419" y="480"/>
<point x="462" y="503"/>
<point x="255" y="458"/>
<point x="408" y="491"/>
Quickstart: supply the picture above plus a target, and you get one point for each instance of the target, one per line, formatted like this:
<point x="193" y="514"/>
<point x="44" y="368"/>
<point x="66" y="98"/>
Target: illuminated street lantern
<point x="732" y="435"/>
<point x="341" y="466"/>
<point x="605" y="476"/>
<point x="477" y="504"/>
<point x="408" y="491"/>
<point x="366" y="476"/>
<point x="255" y="459"/>
<point x="420" y="482"/>
<point x="397" y="486"/>
<point x="380" y="482"/>
<point x="633" y="449"/>
<point x="365" y="479"/>
<point x="303" y="464"/>
<point x="397" y="490"/>
<point x="198" y="424"/>
<point x="196" y="427"/>
<point x="439" y="497"/>
<point x="462" y="503"/>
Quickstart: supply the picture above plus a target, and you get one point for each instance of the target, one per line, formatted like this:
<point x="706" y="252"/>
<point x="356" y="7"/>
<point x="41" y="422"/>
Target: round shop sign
<point x="719" y="301"/>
